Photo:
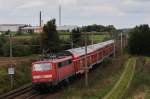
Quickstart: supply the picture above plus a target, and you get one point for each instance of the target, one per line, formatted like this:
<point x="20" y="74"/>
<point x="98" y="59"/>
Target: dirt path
<point x="124" y="81"/>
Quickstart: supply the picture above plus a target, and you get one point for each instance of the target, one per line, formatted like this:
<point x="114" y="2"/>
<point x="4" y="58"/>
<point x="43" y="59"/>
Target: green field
<point x="96" y="38"/>
<point x="26" y="37"/>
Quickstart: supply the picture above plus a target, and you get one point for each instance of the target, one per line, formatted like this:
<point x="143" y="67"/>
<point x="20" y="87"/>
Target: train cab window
<point x="42" y="67"/>
<point x="64" y="63"/>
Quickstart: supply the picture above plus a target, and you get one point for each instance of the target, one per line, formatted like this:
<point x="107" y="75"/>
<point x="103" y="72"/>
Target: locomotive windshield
<point x="42" y="67"/>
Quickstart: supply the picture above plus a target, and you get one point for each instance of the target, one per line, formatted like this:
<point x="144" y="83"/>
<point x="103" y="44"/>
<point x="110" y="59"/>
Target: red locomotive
<point x="53" y="71"/>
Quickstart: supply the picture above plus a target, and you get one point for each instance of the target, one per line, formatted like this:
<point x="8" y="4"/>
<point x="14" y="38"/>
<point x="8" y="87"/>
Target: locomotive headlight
<point x="42" y="76"/>
<point x="36" y="77"/>
<point x="47" y="76"/>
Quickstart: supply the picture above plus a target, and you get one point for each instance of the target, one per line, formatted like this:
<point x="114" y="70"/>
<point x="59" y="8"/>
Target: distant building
<point x="66" y="28"/>
<point x="11" y="27"/>
<point x="32" y="29"/>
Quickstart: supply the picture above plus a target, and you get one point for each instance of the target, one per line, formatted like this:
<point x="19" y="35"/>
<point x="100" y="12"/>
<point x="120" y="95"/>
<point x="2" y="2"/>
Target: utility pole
<point x="71" y="40"/>
<point x="10" y="68"/>
<point x="40" y="19"/>
<point x="114" y="44"/>
<point x="121" y="44"/>
<point x="86" y="64"/>
<point x="10" y="45"/>
<point x="60" y="14"/>
<point x="92" y="39"/>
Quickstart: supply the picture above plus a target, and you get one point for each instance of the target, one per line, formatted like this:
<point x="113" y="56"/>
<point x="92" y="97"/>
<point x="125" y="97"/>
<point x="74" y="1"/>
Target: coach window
<point x="64" y="63"/>
<point x="70" y="61"/>
<point x="60" y="64"/>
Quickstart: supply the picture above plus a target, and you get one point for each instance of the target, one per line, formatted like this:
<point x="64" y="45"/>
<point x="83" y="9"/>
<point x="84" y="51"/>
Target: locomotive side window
<point x="64" y="63"/>
<point x="42" y="67"/>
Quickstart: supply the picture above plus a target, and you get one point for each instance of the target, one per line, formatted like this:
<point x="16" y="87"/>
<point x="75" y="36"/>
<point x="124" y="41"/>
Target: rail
<point x="17" y="92"/>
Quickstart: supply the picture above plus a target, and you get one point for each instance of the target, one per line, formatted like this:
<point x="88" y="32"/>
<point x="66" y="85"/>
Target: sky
<point x="120" y="13"/>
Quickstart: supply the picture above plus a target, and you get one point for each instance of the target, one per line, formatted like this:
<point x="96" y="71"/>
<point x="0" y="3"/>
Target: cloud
<point x="68" y="2"/>
<point x="118" y="12"/>
<point x="135" y="2"/>
<point x="31" y="4"/>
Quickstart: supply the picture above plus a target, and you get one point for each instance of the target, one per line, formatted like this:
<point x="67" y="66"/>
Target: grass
<point x="22" y="76"/>
<point x="100" y="38"/>
<point x="26" y="37"/>
<point x="140" y="85"/>
<point x="101" y="80"/>
<point x="121" y="86"/>
<point x="96" y="38"/>
<point x="66" y="37"/>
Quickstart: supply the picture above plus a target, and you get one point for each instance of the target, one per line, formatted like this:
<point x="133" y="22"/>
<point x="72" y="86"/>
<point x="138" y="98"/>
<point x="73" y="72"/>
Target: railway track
<point x="14" y="93"/>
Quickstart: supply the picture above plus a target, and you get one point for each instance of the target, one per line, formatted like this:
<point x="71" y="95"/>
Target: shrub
<point x="23" y="50"/>
<point x="139" y="40"/>
<point x="3" y="41"/>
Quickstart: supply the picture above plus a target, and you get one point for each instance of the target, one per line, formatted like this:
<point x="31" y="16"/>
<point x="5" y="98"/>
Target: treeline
<point x="98" y="28"/>
<point x="139" y="40"/>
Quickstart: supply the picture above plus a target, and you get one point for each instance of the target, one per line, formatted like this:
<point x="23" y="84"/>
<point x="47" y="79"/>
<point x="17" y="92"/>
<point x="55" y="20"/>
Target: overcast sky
<point x="120" y="13"/>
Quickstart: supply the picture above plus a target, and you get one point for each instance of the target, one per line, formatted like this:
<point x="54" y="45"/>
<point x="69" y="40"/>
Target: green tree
<point x="98" y="28"/>
<point x="3" y="41"/>
<point x="139" y="40"/>
<point x="7" y="32"/>
<point x="76" y="36"/>
<point x="49" y="37"/>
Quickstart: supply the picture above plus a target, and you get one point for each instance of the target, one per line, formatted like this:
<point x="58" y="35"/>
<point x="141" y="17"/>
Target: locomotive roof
<point x="54" y="60"/>
<point x="77" y="52"/>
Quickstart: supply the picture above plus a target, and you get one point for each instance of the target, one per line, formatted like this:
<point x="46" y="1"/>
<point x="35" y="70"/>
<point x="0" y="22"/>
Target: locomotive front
<point x="43" y="74"/>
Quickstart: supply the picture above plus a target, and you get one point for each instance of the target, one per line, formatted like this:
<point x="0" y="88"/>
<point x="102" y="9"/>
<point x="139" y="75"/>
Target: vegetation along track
<point x="124" y="81"/>
<point x="14" y="93"/>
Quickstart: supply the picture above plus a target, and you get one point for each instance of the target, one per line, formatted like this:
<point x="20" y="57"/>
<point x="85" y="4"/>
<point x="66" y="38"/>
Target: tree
<point x="49" y="37"/>
<point x="99" y="28"/>
<point x="139" y="40"/>
<point x="3" y="41"/>
<point x="7" y="32"/>
<point x="76" y="36"/>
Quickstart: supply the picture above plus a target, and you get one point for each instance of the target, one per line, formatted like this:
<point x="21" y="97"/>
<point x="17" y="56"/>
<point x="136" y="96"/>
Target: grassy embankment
<point x="140" y="85"/>
<point x="22" y="75"/>
<point x="123" y="83"/>
<point x="101" y="81"/>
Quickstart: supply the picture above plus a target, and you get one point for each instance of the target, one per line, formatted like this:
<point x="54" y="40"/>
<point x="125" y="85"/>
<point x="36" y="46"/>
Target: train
<point x="52" y="71"/>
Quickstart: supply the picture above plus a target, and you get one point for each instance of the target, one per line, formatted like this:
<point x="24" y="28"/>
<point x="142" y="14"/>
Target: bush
<point x="3" y="42"/>
<point x="24" y="50"/>
<point x="22" y="76"/>
<point x="139" y="40"/>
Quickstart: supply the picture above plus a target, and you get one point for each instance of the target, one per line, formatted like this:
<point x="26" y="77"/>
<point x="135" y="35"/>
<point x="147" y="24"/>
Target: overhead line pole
<point x="86" y="64"/>
<point x="11" y="55"/>
<point x="121" y="44"/>
<point x="10" y="46"/>
<point x="71" y="40"/>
